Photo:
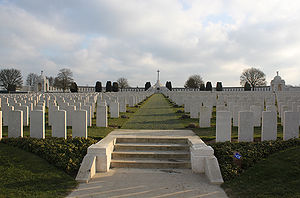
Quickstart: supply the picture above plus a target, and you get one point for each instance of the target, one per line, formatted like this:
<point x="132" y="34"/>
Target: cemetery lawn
<point x="23" y="174"/>
<point x="156" y="113"/>
<point x="276" y="176"/>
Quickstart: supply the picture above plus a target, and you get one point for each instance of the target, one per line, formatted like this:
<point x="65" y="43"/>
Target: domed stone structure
<point x="278" y="84"/>
<point x="42" y="84"/>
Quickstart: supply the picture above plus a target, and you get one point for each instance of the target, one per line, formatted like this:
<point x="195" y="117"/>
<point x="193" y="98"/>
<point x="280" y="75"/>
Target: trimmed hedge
<point x="251" y="153"/>
<point x="65" y="154"/>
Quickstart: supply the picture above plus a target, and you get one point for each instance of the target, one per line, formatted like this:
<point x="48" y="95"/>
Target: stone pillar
<point x="37" y="124"/>
<point x="114" y="109"/>
<point x="257" y="114"/>
<point x="269" y="126"/>
<point x="101" y="118"/>
<point x="223" y="126"/>
<point x="79" y="124"/>
<point x="59" y="124"/>
<point x="15" y="124"/>
<point x="204" y="117"/>
<point x="246" y="126"/>
<point x="291" y="125"/>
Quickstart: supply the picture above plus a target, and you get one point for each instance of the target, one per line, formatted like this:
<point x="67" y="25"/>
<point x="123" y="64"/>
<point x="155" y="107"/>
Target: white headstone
<point x="37" y="124"/>
<point x="257" y="114"/>
<point x="223" y="126"/>
<point x="88" y="110"/>
<point x="204" y="117"/>
<point x="59" y="124"/>
<point x="114" y="109"/>
<point x="269" y="126"/>
<point x="291" y="125"/>
<point x="246" y="126"/>
<point x="15" y="124"/>
<point x="101" y="118"/>
<point x="79" y="124"/>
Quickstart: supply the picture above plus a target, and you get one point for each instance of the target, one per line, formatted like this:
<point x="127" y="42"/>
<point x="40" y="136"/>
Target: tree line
<point x="11" y="79"/>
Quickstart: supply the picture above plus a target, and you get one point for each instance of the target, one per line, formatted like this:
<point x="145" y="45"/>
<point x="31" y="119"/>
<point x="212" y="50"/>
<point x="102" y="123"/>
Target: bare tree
<point x="254" y="77"/>
<point x="123" y="83"/>
<point x="64" y="79"/>
<point x="11" y="79"/>
<point x="194" y="81"/>
<point x="31" y="79"/>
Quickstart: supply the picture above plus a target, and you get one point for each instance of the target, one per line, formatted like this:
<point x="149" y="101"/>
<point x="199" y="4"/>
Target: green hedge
<point x="251" y="153"/>
<point x="66" y="154"/>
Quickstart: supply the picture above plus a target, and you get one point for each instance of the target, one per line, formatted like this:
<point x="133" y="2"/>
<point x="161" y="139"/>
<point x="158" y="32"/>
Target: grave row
<point x="244" y="110"/>
<point x="75" y="110"/>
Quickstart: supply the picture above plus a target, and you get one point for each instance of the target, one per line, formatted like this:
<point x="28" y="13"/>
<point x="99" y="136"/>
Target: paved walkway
<point x="146" y="183"/>
<point x="156" y="113"/>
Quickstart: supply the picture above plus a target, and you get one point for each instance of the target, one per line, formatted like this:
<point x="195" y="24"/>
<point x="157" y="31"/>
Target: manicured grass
<point x="23" y="174"/>
<point x="276" y="176"/>
<point x="156" y="113"/>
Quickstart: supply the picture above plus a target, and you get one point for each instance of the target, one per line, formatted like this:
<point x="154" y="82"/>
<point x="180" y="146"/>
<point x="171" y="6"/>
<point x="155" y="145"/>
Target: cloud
<point x="104" y="40"/>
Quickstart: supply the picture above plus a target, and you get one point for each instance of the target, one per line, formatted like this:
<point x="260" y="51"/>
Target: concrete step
<point x="150" y="146"/>
<point x="152" y="140"/>
<point x="151" y="154"/>
<point x="149" y="163"/>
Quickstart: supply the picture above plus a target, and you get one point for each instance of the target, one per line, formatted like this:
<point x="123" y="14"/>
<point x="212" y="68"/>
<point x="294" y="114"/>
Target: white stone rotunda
<point x="278" y="84"/>
<point x="158" y="87"/>
<point x="42" y="84"/>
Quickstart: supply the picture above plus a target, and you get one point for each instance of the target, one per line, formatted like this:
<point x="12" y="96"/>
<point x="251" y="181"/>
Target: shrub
<point x="192" y="125"/>
<point x="65" y="154"/>
<point x="219" y="86"/>
<point x="124" y="116"/>
<point x="202" y="87"/>
<point x="247" y="87"/>
<point x="98" y="87"/>
<point x="179" y="111"/>
<point x="115" y="87"/>
<point x="184" y="116"/>
<point x="208" y="86"/>
<point x="251" y="153"/>
<point x="74" y="87"/>
<point x="108" y="87"/>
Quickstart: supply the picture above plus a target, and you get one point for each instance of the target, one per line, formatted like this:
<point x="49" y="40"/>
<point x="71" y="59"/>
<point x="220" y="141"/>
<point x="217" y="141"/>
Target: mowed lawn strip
<point x="23" y="174"/>
<point x="156" y="113"/>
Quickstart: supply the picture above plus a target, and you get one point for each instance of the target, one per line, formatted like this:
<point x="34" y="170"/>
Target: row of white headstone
<point x="62" y="112"/>
<point x="244" y="110"/>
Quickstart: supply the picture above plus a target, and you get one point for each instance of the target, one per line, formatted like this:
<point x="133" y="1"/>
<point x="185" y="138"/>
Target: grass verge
<point x="276" y="176"/>
<point x="23" y="174"/>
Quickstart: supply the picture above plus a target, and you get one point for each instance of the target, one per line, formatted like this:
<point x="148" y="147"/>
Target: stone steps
<point x="151" y="146"/>
<point x="151" y="153"/>
<point x="149" y="163"/>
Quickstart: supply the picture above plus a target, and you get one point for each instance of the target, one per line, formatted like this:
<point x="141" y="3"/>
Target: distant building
<point x="42" y="84"/>
<point x="278" y="84"/>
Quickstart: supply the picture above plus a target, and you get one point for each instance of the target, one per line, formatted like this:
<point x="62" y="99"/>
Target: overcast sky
<point x="107" y="39"/>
